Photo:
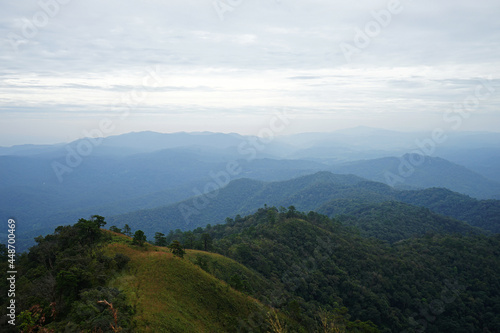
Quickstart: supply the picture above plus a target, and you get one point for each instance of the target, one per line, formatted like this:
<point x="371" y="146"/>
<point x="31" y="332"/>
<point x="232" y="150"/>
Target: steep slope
<point x="174" y="295"/>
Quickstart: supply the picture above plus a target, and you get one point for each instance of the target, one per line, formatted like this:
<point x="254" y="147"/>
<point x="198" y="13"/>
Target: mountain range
<point x="48" y="185"/>
<point x="324" y="192"/>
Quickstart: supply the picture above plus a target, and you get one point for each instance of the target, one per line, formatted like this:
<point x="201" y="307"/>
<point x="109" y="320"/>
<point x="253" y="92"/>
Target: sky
<point x="73" y="67"/>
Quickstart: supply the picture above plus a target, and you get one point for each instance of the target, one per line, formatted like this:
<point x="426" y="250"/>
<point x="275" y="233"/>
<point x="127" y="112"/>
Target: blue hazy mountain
<point x="418" y="171"/>
<point x="48" y="185"/>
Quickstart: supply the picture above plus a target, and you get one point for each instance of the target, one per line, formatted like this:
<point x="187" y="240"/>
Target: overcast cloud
<point x="229" y="65"/>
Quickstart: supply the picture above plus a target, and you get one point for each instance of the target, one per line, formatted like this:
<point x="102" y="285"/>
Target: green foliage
<point x="121" y="260"/>
<point x="395" y="221"/>
<point x="170" y="295"/>
<point x="160" y="239"/>
<point x="33" y="320"/>
<point x="311" y="262"/>
<point x="126" y="230"/>
<point x="206" y="241"/>
<point x="337" y="320"/>
<point x="139" y="238"/>
<point x="89" y="314"/>
<point x="322" y="274"/>
<point x="115" y="229"/>
<point x="479" y="213"/>
<point x="3" y="252"/>
<point x="57" y="275"/>
<point x="176" y="249"/>
<point x="188" y="240"/>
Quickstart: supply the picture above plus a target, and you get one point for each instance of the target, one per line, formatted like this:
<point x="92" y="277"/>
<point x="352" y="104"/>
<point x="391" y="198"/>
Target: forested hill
<point x="484" y="214"/>
<point x="312" y="192"/>
<point x="394" y="221"/>
<point x="436" y="283"/>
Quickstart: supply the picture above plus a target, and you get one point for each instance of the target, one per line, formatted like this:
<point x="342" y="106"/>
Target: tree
<point x="176" y="249"/>
<point x="188" y="240"/>
<point x="229" y="221"/>
<point x="139" y="238"/>
<point x="98" y="220"/>
<point x="160" y="239"/>
<point x="89" y="230"/>
<point x="206" y="241"/>
<point x="271" y="216"/>
<point x="115" y="229"/>
<point x="126" y="230"/>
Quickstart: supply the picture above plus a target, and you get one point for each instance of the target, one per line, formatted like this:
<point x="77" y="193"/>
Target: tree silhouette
<point x="126" y="230"/>
<point x="139" y="238"/>
<point x="160" y="239"/>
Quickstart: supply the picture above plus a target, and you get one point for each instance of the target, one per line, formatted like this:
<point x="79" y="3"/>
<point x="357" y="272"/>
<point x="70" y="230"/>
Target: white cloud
<point x="91" y="53"/>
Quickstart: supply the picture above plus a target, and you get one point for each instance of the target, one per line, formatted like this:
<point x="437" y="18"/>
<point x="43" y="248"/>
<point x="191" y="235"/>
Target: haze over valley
<point x="51" y="184"/>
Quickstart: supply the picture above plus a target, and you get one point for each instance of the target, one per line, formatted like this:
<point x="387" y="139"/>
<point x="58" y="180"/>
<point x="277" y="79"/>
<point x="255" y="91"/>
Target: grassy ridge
<point x="174" y="295"/>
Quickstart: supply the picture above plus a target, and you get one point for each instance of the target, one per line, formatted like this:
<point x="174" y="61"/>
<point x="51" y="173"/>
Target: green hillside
<point x="437" y="283"/>
<point x="75" y="279"/>
<point x="484" y="214"/>
<point x="312" y="192"/>
<point x="174" y="295"/>
<point x="393" y="221"/>
<point x="278" y="270"/>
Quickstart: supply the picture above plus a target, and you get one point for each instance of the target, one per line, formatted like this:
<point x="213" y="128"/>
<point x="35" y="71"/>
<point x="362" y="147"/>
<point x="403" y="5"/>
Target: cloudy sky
<point x="70" y="66"/>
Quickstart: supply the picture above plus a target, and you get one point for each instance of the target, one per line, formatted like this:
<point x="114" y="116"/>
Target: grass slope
<point x="173" y="295"/>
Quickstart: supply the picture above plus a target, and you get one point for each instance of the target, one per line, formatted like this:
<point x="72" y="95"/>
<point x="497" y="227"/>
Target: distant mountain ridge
<point x="427" y="172"/>
<point x="135" y="142"/>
